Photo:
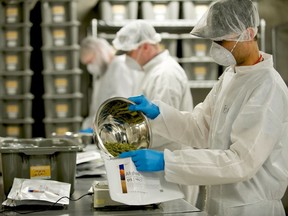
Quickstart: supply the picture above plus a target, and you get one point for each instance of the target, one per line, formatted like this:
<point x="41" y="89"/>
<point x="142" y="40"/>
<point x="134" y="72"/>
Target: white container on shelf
<point x="201" y="70"/>
<point x="194" y="9"/>
<point x="160" y="10"/>
<point x="118" y="10"/>
<point x="193" y="46"/>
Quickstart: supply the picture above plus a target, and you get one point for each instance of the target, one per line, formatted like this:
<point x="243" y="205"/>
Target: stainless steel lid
<point x="116" y="129"/>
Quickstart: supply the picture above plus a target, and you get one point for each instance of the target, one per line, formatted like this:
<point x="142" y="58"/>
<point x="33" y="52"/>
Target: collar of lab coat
<point x="267" y="63"/>
<point x="155" y="61"/>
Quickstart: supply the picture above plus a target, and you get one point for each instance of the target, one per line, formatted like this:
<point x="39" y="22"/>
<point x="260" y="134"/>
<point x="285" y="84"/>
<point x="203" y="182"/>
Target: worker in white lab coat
<point x="164" y="79"/>
<point x="111" y="76"/>
<point x="240" y="129"/>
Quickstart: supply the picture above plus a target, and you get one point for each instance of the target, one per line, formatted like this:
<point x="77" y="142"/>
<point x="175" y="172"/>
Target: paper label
<point x="58" y="10"/>
<point x="119" y="12"/>
<point x="200" y="49"/>
<point x="13" y="131"/>
<point x="61" y="130"/>
<point x="12" y="111"/>
<point x="40" y="172"/>
<point x="62" y="110"/>
<point x="11" y="59"/>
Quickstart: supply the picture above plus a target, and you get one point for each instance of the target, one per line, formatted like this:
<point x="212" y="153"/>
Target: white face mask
<point x="132" y="64"/>
<point x="97" y="67"/>
<point x="221" y="55"/>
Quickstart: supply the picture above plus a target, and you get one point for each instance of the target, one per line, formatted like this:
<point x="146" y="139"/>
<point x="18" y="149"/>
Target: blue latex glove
<point x="87" y="130"/>
<point x="146" y="159"/>
<point x="144" y="105"/>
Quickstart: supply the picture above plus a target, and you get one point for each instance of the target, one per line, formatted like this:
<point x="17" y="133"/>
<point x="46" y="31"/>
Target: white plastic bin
<point x="118" y="10"/>
<point x="160" y="10"/>
<point x="201" y="70"/>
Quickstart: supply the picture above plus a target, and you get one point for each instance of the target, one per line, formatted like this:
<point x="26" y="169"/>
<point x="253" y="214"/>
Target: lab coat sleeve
<point x="255" y="132"/>
<point x="187" y="128"/>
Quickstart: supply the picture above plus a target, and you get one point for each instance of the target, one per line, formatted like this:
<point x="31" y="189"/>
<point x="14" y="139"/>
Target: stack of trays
<point x="62" y="75"/>
<point x="15" y="74"/>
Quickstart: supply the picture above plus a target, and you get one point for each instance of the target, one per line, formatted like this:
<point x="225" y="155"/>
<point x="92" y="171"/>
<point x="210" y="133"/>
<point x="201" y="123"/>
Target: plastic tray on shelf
<point x="16" y="106"/>
<point x="15" y="83"/>
<point x="65" y="34"/>
<point x="118" y="10"/>
<point x="201" y="70"/>
<point x="15" y="35"/>
<point x="59" y="11"/>
<point x="66" y="82"/>
<point x="14" y="11"/>
<point x="194" y="9"/>
<point x="194" y="46"/>
<point x="61" y="126"/>
<point x="18" y="128"/>
<point x="160" y="10"/>
<point x="62" y="106"/>
<point x="61" y="58"/>
<point x="15" y="59"/>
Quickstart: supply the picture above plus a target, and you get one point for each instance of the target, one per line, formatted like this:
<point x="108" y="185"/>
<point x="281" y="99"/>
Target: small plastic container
<point x="51" y="159"/>
<point x="60" y="34"/>
<point x="118" y="10"/>
<point x="201" y="70"/>
<point x="61" y="58"/>
<point x="16" y="35"/>
<point x="15" y="83"/>
<point x="66" y="82"/>
<point x="17" y="128"/>
<point x="60" y="126"/>
<point x="62" y="106"/>
<point x="160" y="10"/>
<point x="59" y="11"/>
<point x="194" y="9"/>
<point x="195" y="47"/>
<point x="16" y="107"/>
<point x="15" y="59"/>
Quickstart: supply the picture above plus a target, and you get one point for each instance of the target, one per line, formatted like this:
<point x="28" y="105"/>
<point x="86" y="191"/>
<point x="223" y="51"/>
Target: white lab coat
<point x="165" y="80"/>
<point x="117" y="81"/>
<point x="246" y="133"/>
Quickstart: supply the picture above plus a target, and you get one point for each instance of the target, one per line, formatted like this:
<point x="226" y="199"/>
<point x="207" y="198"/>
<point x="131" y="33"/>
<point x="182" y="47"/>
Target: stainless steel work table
<point x="84" y="207"/>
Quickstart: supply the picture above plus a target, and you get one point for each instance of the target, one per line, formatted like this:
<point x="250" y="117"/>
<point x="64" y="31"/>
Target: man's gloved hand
<point x="144" y="105"/>
<point x="87" y="130"/>
<point x="146" y="159"/>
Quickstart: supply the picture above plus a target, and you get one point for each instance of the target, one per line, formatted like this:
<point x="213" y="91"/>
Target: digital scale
<point x="101" y="197"/>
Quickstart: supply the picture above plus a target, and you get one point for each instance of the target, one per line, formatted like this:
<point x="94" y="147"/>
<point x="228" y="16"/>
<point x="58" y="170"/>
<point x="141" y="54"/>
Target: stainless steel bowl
<point x="117" y="129"/>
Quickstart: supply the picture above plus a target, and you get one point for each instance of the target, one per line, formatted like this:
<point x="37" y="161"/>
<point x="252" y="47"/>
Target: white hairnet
<point x="100" y="47"/>
<point x="135" y="33"/>
<point x="228" y="20"/>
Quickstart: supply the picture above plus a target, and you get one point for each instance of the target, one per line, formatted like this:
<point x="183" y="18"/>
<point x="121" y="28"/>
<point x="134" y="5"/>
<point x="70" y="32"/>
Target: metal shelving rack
<point x="61" y="74"/>
<point x="15" y="74"/>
